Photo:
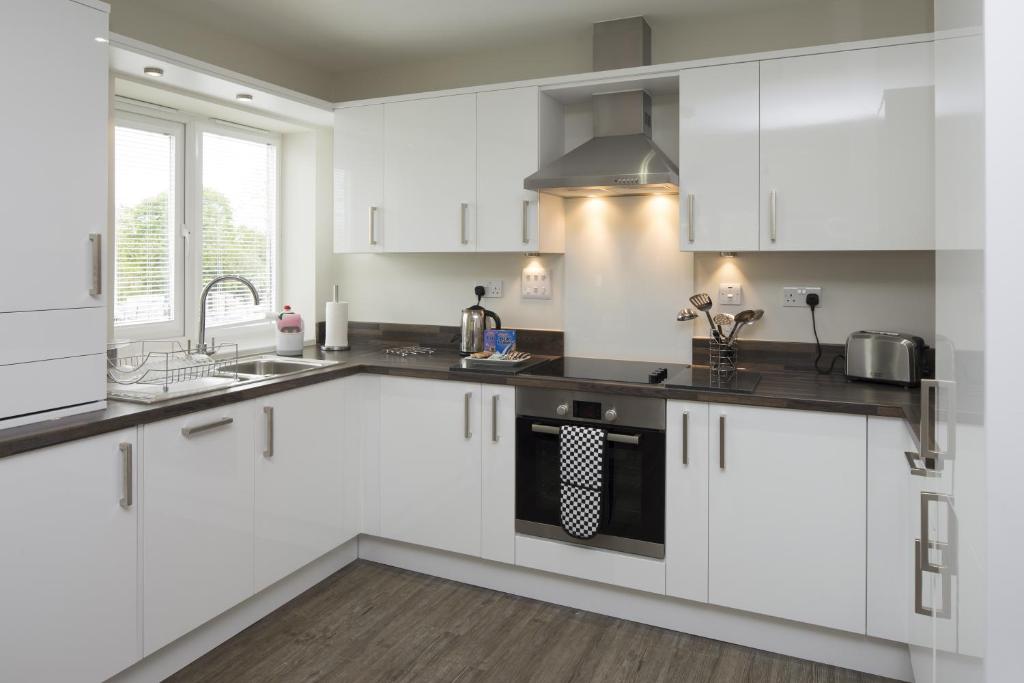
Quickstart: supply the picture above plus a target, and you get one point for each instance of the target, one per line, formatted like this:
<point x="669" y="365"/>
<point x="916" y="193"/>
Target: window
<point x="239" y="225"/>
<point x="179" y="225"/>
<point x="147" y="211"/>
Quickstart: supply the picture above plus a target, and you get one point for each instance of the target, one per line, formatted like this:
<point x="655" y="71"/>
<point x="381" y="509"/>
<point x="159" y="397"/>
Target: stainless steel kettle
<point x="474" y="322"/>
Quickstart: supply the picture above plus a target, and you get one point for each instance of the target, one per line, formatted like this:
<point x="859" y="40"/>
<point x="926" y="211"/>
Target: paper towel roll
<point x="336" y="322"/>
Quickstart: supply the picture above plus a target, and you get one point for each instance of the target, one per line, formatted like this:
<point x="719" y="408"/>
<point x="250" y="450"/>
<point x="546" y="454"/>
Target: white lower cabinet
<point x="686" y="500"/>
<point x="198" y="519"/>
<point x="787" y="523"/>
<point x="498" y="467"/>
<point x="430" y="438"/>
<point x="69" y="538"/>
<point x="307" y="482"/>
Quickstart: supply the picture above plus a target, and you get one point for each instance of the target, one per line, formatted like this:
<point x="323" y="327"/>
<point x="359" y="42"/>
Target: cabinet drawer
<point x="43" y="335"/>
<point x="52" y="384"/>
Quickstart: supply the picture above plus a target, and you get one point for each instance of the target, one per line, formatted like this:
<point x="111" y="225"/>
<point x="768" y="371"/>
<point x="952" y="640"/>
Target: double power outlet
<point x="797" y="296"/>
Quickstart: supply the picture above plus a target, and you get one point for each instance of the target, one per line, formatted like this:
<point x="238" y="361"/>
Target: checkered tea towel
<point x="583" y="473"/>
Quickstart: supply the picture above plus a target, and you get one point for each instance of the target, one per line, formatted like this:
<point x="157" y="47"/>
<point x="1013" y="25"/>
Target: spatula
<point x="702" y="302"/>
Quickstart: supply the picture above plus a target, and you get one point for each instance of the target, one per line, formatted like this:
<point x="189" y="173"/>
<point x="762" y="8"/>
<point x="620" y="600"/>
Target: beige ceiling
<point x="342" y="35"/>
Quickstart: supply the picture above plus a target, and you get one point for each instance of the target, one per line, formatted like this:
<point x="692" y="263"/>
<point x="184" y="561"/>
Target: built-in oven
<point x="634" y="520"/>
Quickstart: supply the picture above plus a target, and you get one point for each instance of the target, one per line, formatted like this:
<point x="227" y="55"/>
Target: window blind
<point x="145" y="201"/>
<point x="239" y="206"/>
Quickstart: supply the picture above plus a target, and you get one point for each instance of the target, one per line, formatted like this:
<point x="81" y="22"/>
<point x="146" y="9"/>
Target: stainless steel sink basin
<point x="272" y="366"/>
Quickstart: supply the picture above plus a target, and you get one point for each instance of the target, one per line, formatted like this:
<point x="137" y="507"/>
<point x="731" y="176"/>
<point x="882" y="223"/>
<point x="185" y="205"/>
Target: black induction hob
<point x="672" y="375"/>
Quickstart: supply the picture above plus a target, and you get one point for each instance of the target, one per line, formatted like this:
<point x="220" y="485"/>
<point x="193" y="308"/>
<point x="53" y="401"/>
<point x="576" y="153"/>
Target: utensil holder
<point x="722" y="358"/>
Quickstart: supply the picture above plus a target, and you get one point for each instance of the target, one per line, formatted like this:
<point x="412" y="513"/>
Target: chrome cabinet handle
<point x="127" y="487"/>
<point x="96" y="242"/>
<point x="945" y="611"/>
<point x="918" y="469"/>
<point x="373" y="231"/>
<point x="690" y="230"/>
<point x="268" y="414"/>
<point x="927" y="544"/>
<point x="526" y="221"/>
<point x="189" y="432"/>
<point x="929" y="420"/>
<point x="721" y="442"/>
<point x="686" y="437"/>
<point x="465" y="414"/>
<point x="494" y="418"/>
<point x="631" y="439"/>
<point x="773" y="218"/>
<point x="462" y="222"/>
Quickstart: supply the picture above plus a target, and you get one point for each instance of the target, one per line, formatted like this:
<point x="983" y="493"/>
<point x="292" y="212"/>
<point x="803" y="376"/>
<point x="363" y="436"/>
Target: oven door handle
<point x="632" y="439"/>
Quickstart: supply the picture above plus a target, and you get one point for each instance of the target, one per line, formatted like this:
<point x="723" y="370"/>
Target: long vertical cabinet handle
<point x="773" y="217"/>
<point x="494" y="418"/>
<point x="465" y="415"/>
<point x="691" y="230"/>
<point x="923" y="563"/>
<point x="373" y="226"/>
<point x="96" y="242"/>
<point x="268" y="414"/>
<point x="526" y="221"/>
<point x="930" y="448"/>
<point x="721" y="442"/>
<point x="462" y="222"/>
<point x="686" y="437"/>
<point x="127" y="486"/>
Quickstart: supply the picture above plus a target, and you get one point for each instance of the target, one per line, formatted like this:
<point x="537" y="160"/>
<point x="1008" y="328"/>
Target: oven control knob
<point x="562" y="409"/>
<point x="611" y="415"/>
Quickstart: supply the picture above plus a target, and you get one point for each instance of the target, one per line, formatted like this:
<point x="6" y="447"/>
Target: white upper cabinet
<point x="718" y="158"/>
<point x="847" y="153"/>
<point x="359" y="179"/>
<point x="307" y="481"/>
<point x="69" y="526"/>
<point x="787" y="514"/>
<point x="430" y="174"/>
<point x="53" y="171"/>
<point x="518" y="130"/>
<point x="430" y="474"/>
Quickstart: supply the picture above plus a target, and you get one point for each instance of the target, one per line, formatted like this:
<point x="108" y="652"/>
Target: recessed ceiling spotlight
<point x="101" y="39"/>
<point x="154" y="71"/>
<point x="243" y="97"/>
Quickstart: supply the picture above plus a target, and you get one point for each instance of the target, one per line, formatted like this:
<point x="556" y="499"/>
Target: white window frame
<point x="188" y="270"/>
<point x="175" y="327"/>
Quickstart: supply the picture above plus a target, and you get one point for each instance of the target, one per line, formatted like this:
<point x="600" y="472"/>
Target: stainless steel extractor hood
<point x="621" y="159"/>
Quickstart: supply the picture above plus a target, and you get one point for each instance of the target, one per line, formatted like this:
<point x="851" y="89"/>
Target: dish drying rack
<point x="165" y="363"/>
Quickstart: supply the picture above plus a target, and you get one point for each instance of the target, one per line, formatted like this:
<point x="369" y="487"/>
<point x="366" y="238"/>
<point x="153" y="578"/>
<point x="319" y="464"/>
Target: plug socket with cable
<point x="813" y="300"/>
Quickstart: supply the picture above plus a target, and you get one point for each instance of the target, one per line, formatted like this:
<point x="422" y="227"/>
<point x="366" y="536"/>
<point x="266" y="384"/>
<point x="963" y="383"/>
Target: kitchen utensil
<point x="474" y="322"/>
<point x="742" y="319"/>
<point x="687" y="314"/>
<point x="722" y="320"/>
<point x="702" y="302"/>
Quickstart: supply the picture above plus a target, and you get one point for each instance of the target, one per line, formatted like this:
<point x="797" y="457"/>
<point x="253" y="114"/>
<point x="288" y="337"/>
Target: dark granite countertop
<point x="799" y="390"/>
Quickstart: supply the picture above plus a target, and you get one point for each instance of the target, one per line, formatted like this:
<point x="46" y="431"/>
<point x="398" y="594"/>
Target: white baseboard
<point x="192" y="646"/>
<point x="848" y="650"/>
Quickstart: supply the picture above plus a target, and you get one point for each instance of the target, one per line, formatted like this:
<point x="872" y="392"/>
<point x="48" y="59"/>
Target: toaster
<point x="890" y="357"/>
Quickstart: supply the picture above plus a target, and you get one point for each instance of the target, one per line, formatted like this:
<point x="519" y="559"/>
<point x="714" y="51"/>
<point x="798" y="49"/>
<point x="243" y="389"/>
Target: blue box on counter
<point x="499" y="341"/>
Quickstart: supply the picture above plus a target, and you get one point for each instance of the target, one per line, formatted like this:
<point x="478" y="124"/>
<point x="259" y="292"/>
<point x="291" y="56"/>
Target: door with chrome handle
<point x="127" y="477"/>
<point x="463" y="208"/>
<point x="96" y="280"/>
<point x="373" y="226"/>
<point x="721" y="442"/>
<point x="495" y="437"/>
<point x="268" y="414"/>
<point x="691" y="229"/>
<point x="773" y="216"/>
<point x="526" y="221"/>
<point x="466" y="411"/>
<point x="686" y="437"/>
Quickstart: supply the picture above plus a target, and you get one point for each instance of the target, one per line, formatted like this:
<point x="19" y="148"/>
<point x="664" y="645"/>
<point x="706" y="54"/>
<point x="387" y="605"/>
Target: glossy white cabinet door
<point x="517" y="131"/>
<point x="69" y="562"/>
<point x="53" y="171"/>
<point x="787" y="514"/>
<point x="430" y="174"/>
<point x="197" y="519"/>
<point x="718" y="158"/>
<point x="847" y="150"/>
<point x="359" y="211"/>
<point x="430" y="469"/>
<point x="498" y="464"/>
<point x="686" y="500"/>
<point x="307" y="481"/>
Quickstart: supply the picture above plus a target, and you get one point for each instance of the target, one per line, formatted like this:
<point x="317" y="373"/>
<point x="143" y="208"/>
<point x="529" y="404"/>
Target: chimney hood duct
<point x="621" y="159"/>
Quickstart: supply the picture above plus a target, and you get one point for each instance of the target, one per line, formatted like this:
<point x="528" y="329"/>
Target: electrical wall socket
<point x="536" y="282"/>
<point x="493" y="289"/>
<point x="797" y="296"/>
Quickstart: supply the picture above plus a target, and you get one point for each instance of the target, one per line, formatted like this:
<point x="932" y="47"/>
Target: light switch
<point x="730" y="294"/>
<point x="536" y="282"/>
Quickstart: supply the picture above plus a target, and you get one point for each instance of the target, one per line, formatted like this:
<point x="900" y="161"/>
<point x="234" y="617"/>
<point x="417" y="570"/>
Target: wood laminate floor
<point x="371" y="622"/>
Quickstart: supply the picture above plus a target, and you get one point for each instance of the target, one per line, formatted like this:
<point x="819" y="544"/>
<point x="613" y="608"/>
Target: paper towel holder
<point x="335" y="347"/>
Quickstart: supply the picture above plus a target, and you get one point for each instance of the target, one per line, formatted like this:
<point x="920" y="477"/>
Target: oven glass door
<point x="636" y="520"/>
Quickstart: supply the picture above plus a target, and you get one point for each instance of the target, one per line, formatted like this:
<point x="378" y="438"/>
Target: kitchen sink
<point x="272" y="366"/>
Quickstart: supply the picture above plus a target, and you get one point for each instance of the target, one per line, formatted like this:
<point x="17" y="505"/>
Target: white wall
<point x="891" y="291"/>
<point x="297" y="249"/>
